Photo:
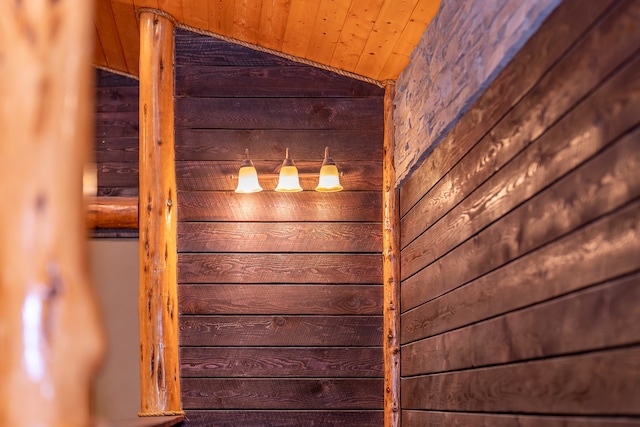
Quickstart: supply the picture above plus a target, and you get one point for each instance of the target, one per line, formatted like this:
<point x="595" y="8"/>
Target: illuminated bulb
<point x="329" y="176"/>
<point x="248" y="177"/>
<point x="288" y="181"/>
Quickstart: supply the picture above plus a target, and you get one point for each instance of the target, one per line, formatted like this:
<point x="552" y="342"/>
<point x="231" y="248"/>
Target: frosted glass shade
<point x="329" y="179"/>
<point x="288" y="181"/>
<point x="248" y="180"/>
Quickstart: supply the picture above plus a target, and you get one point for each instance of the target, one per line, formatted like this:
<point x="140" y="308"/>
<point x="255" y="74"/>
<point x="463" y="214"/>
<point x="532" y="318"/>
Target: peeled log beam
<point x="50" y="332"/>
<point x="390" y="270"/>
<point x="158" y="300"/>
<point x="112" y="212"/>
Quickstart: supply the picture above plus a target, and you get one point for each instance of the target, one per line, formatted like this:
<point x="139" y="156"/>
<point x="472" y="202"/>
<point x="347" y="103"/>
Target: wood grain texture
<point x="453" y="419"/>
<point x="281" y="113"/>
<point x="116" y="99"/>
<point x="267" y="81"/>
<point x="602" y="250"/>
<point x="166" y="421"/>
<point x="565" y="85"/>
<point x="578" y="322"/>
<point x="310" y="418"/>
<point x="337" y="393"/>
<point x="51" y="333"/>
<point x="610" y="181"/>
<point x="158" y="300"/>
<point x="390" y="272"/>
<point x="352" y="331"/>
<point x="279" y="237"/>
<point x="108" y="149"/>
<point x="282" y="362"/>
<point x="118" y="174"/>
<point x="275" y="268"/>
<point x="489" y="38"/>
<point x="265" y="144"/>
<point x="362" y="206"/>
<point x="601" y="383"/>
<point x="113" y="212"/>
<point x="515" y="81"/>
<point x="223" y="176"/>
<point x="280" y="299"/>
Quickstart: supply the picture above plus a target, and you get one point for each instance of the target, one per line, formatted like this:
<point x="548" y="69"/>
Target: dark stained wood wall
<point x="521" y="239"/>
<point x="280" y="294"/>
<point x="116" y="134"/>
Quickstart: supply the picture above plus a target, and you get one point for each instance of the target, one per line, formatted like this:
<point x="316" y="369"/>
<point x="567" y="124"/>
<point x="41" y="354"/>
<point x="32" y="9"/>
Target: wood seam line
<point x="258" y="48"/>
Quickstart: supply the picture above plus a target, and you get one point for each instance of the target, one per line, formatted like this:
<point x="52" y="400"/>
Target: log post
<point x="391" y="270"/>
<point x="158" y="300"/>
<point x="51" y="337"/>
<point x="112" y="212"/>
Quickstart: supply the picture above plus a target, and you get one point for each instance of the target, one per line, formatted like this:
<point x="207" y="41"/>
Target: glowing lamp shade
<point x="248" y="177"/>
<point x="329" y="176"/>
<point x="288" y="181"/>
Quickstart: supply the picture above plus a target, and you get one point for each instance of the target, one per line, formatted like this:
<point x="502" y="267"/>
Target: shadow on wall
<point x="116" y="389"/>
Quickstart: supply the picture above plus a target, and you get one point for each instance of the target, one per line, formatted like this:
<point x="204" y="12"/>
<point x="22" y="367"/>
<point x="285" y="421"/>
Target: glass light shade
<point x="248" y="177"/>
<point x="248" y="180"/>
<point x="329" y="179"/>
<point x="288" y="181"/>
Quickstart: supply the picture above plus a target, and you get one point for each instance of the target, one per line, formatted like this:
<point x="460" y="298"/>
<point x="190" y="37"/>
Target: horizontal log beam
<point x="112" y="212"/>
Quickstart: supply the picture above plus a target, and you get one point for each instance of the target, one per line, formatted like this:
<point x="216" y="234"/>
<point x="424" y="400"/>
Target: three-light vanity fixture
<point x="288" y="179"/>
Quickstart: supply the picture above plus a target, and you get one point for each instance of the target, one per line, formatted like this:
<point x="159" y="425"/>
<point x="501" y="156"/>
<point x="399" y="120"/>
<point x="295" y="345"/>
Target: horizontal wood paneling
<point x="553" y="96"/>
<point x="457" y="419"/>
<point x="283" y="394"/>
<point x="223" y="176"/>
<point x="198" y="50"/>
<point x="587" y="319"/>
<point x="346" y="145"/>
<point x="118" y="174"/>
<point x="269" y="362"/>
<point x="279" y="268"/>
<point x="350" y="331"/>
<point x="112" y="99"/>
<point x="309" y="418"/>
<point x="278" y="113"/>
<point x="117" y="124"/>
<point x="607" y="248"/>
<point x="520" y="240"/>
<point x="261" y="81"/>
<point x="597" y="383"/>
<point x="280" y="295"/>
<point x="363" y="206"/>
<point x="521" y="74"/>
<point x="114" y="149"/>
<point x="354" y="237"/>
<point x="280" y="299"/>
<point x="603" y="185"/>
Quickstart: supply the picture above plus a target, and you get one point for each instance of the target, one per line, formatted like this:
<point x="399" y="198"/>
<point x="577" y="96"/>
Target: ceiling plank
<point x="196" y="13"/>
<point x="423" y="13"/>
<point x="153" y="4"/>
<point x="273" y="23"/>
<point x="326" y="30"/>
<point x="127" y="24"/>
<point x="221" y="17"/>
<point x="246" y="20"/>
<point x="173" y="8"/>
<point x="302" y="15"/>
<point x="389" y="25"/>
<point x="98" y="53"/>
<point x="355" y="33"/>
<point x="109" y="37"/>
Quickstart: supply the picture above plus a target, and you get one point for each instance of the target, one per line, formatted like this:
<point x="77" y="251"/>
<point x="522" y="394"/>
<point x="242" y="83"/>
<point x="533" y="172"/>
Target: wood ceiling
<point x="369" y="38"/>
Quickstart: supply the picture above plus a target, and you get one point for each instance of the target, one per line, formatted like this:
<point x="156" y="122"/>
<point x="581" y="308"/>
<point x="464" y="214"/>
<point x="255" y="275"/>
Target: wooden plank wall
<point x="116" y="141"/>
<point x="116" y="134"/>
<point x="521" y="248"/>
<point x="280" y="294"/>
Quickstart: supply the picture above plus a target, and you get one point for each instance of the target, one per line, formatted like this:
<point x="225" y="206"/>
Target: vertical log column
<point x="391" y="270"/>
<point x="158" y="301"/>
<point x="50" y="334"/>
